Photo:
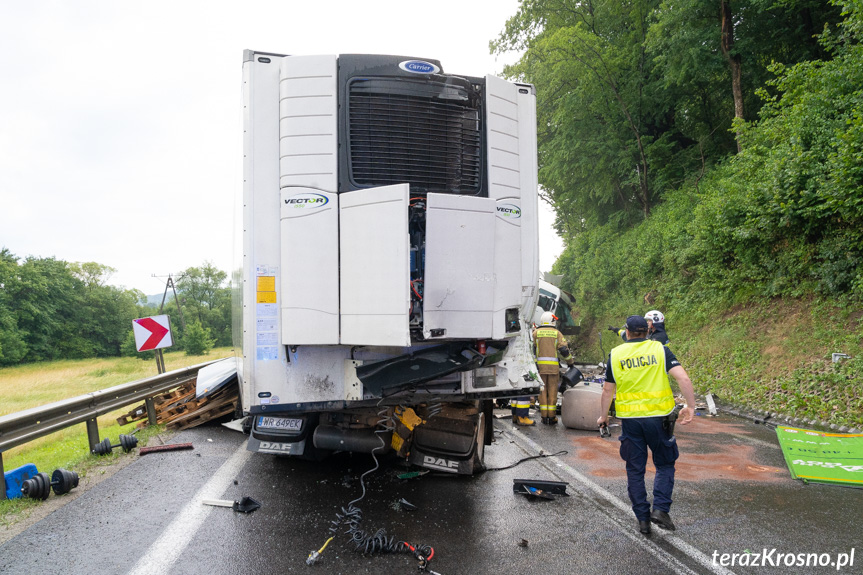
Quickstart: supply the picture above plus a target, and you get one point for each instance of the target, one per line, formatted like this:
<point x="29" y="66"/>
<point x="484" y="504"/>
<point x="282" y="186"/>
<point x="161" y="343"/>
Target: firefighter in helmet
<point x="655" y="327"/>
<point x="548" y="344"/>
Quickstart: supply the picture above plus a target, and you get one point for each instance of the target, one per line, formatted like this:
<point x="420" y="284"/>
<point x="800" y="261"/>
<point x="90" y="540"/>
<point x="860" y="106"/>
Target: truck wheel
<point x="479" y="455"/>
<point x="487" y="409"/>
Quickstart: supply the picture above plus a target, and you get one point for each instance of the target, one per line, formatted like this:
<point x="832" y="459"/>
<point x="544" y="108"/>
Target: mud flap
<point x="450" y="445"/>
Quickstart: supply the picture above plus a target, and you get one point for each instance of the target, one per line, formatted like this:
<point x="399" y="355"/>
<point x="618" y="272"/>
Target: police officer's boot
<point x="662" y="520"/>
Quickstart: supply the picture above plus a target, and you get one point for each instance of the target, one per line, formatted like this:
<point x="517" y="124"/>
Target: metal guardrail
<point x="19" y="428"/>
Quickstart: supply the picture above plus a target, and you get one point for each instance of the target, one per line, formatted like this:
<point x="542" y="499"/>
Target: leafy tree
<point x="783" y="217"/>
<point x="12" y="344"/>
<point x="636" y="98"/>
<point x="608" y="144"/>
<point x="792" y="201"/>
<point x="52" y="309"/>
<point x="716" y="55"/>
<point x="47" y="302"/>
<point x="107" y="311"/>
<point x="197" y="340"/>
<point x="207" y="298"/>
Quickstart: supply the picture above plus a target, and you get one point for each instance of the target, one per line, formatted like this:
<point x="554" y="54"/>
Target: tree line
<point x="51" y="309"/>
<point x="698" y="154"/>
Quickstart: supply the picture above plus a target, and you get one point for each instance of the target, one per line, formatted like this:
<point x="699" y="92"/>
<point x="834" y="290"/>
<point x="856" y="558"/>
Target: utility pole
<point x="160" y="359"/>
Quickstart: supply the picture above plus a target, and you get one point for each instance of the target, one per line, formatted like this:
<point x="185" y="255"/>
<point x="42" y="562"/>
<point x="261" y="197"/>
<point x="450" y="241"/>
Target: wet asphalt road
<point x="733" y="493"/>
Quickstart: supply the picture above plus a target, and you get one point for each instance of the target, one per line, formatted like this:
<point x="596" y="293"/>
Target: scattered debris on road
<point x="819" y="457"/>
<point x="412" y="474"/>
<point x="169" y="447"/>
<point x="243" y="505"/>
<point x="539" y="488"/>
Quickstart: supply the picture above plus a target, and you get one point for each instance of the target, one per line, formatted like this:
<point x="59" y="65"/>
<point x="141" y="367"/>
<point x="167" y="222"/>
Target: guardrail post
<point x="151" y="410"/>
<point x="2" y="479"/>
<point x="92" y="433"/>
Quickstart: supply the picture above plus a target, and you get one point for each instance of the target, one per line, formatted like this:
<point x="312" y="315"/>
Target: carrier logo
<point x="439" y="463"/>
<point x="306" y="200"/>
<point x="509" y="211"/>
<point x="418" y="67"/>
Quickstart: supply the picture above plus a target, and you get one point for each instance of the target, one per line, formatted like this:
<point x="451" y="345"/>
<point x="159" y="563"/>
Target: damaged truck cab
<point x="388" y="265"/>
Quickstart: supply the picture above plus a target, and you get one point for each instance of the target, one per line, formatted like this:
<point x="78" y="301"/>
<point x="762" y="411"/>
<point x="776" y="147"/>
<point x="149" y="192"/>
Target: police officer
<point x="655" y="327"/>
<point x="548" y="344"/>
<point x="638" y="372"/>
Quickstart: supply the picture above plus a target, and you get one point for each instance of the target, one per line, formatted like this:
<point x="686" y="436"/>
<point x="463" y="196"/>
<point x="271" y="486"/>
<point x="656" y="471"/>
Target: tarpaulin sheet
<point x="822" y="457"/>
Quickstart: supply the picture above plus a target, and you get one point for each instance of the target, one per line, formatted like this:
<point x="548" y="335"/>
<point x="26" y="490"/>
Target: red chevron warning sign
<point x="152" y="332"/>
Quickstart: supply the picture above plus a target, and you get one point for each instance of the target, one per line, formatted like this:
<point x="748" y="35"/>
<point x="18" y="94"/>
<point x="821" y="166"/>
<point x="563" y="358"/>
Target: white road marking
<point x="165" y="551"/>
<point x="677" y="542"/>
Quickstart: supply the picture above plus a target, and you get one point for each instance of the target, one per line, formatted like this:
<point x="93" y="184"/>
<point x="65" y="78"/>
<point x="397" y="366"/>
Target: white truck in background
<point x="389" y="264"/>
<point x="559" y="302"/>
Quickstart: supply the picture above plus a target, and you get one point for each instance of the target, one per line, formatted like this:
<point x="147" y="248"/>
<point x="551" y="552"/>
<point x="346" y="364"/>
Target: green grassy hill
<point x="774" y="356"/>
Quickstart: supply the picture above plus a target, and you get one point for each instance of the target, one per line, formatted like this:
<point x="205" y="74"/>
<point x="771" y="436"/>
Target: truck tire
<point x="482" y="424"/>
<point x="487" y="409"/>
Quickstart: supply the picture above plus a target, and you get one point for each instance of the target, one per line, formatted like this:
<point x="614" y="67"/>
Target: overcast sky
<point x="120" y="122"/>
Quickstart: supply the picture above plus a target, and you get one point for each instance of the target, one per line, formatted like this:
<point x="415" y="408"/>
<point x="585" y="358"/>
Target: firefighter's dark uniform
<point x="658" y="333"/>
<point x="639" y="369"/>
<point x="548" y="343"/>
<point x="520" y="407"/>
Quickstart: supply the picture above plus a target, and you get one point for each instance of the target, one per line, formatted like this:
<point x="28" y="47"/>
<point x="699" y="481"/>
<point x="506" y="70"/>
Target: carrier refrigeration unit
<point x="389" y="256"/>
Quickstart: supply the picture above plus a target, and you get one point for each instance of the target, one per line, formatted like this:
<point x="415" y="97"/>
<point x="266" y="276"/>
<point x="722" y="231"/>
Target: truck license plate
<point x="286" y="423"/>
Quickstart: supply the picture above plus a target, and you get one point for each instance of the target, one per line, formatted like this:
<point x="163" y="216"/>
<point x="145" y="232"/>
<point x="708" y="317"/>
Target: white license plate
<point x="286" y="423"/>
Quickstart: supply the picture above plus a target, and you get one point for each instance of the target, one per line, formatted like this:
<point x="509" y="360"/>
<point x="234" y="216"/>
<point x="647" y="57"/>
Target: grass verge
<point x="27" y="386"/>
<point x="771" y="355"/>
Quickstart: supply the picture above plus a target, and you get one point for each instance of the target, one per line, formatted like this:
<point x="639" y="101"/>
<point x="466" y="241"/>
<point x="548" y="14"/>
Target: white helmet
<point x="547" y="318"/>
<point x="655" y="316"/>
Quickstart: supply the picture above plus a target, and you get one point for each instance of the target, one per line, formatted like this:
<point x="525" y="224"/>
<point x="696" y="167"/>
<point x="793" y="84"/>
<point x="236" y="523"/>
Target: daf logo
<point x="306" y="200"/>
<point x="273" y="446"/>
<point x="439" y="462"/>
<point x="509" y="211"/>
<point x="419" y="67"/>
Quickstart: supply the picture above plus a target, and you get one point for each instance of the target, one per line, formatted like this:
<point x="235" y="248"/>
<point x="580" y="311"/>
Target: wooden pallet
<point x="179" y="395"/>
<point x="140" y="412"/>
<point x="220" y="404"/>
<point x="164" y="402"/>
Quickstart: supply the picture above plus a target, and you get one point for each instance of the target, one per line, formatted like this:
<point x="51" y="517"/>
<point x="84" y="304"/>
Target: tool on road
<point x="169" y="447"/>
<point x="39" y="486"/>
<point x="540" y="488"/>
<point x="243" y="505"/>
<point x="412" y="474"/>
<point x="314" y="556"/>
<point x="127" y="442"/>
<point x="711" y="405"/>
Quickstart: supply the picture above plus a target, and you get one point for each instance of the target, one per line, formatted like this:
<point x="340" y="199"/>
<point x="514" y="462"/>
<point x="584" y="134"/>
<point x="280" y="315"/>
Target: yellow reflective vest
<point x="548" y="341"/>
<point x="639" y="371"/>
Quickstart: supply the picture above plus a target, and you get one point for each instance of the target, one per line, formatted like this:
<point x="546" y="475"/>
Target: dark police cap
<point x="636" y="323"/>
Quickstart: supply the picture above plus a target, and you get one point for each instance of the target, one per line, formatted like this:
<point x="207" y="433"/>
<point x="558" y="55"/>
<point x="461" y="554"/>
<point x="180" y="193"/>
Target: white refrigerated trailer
<point x="388" y="273"/>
